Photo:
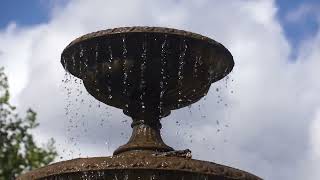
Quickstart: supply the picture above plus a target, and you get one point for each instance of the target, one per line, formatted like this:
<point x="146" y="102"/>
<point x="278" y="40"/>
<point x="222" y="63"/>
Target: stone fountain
<point x="146" y="72"/>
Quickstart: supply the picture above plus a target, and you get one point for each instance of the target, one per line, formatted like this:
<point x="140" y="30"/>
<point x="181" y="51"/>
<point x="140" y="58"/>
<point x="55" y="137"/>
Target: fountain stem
<point x="145" y="137"/>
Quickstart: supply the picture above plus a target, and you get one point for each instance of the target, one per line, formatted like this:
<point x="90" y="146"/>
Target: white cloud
<point x="315" y="135"/>
<point x="15" y="44"/>
<point x="271" y="116"/>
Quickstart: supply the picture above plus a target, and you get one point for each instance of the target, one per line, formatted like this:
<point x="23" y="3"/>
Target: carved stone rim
<point x="138" y="161"/>
<point x="143" y="29"/>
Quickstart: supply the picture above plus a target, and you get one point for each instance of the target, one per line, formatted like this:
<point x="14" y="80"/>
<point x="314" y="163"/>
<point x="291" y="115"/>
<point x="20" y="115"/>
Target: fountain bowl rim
<point x="142" y="29"/>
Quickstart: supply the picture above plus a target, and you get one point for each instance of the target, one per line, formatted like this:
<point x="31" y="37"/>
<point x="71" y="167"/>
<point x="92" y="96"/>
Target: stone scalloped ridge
<point x="134" y="161"/>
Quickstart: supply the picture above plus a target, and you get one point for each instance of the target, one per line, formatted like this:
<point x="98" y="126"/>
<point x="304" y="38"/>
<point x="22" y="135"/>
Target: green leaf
<point x="18" y="150"/>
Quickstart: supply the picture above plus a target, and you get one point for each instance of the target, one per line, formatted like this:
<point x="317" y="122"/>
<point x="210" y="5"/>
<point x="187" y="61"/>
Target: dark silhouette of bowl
<point x="103" y="59"/>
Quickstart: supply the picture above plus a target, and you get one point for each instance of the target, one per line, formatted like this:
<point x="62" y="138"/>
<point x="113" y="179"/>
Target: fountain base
<point x="141" y="165"/>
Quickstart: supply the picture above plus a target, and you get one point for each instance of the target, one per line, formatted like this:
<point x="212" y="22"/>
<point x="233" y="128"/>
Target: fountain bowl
<point x="136" y="68"/>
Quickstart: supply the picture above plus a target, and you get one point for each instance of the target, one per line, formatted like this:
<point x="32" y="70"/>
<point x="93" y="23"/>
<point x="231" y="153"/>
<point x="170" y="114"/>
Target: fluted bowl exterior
<point x="178" y="64"/>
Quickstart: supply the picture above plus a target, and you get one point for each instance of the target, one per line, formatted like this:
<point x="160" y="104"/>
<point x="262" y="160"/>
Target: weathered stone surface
<point x="137" y="161"/>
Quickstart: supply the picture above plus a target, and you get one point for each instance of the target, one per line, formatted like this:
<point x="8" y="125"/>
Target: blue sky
<point x="23" y="12"/>
<point x="304" y="27"/>
<point x="26" y="13"/>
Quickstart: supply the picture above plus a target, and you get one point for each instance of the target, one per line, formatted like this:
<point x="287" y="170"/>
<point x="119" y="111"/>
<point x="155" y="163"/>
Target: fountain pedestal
<point x="146" y="72"/>
<point x="145" y="137"/>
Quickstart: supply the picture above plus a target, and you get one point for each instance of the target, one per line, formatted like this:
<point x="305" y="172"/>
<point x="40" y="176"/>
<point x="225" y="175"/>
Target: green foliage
<point x="18" y="150"/>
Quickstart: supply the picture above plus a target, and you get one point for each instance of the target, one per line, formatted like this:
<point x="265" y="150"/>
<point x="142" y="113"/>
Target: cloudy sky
<point x="265" y="118"/>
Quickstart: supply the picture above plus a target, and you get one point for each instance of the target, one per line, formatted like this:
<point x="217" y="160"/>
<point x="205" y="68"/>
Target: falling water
<point x="81" y="55"/>
<point x="76" y="125"/>
<point x="211" y="74"/>
<point x="96" y="54"/>
<point x="84" y="176"/>
<point x="152" y="177"/>
<point x="180" y="70"/>
<point x="163" y="74"/>
<point x="109" y="72"/>
<point x="64" y="62"/>
<point x="197" y="63"/>
<point x="70" y="84"/>
<point x="86" y="63"/>
<point x="94" y="66"/>
<point x="142" y="73"/>
<point x="73" y="61"/>
<point x="126" y="176"/>
<point x="226" y="81"/>
<point x="115" y="177"/>
<point x="125" y="69"/>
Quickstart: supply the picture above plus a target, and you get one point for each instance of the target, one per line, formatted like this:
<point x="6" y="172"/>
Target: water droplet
<point x="195" y="66"/>
<point x="182" y="55"/>
<point x="142" y="72"/>
<point x="163" y="76"/>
